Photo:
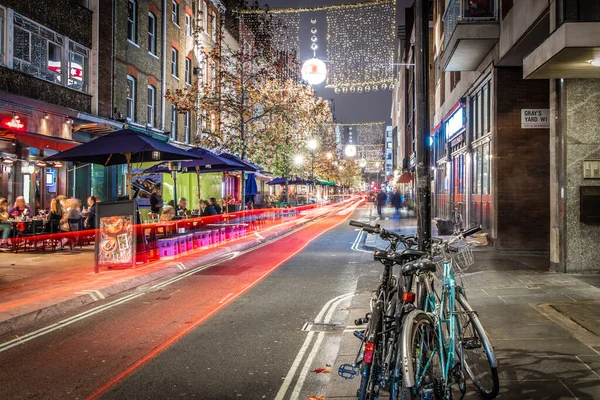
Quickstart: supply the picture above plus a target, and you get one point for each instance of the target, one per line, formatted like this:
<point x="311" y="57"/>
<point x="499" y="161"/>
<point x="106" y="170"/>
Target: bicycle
<point x="377" y="352"/>
<point x="446" y="339"/>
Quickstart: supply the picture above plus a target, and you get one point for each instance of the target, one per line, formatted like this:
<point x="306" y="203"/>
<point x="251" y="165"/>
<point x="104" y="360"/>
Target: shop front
<point x="455" y="132"/>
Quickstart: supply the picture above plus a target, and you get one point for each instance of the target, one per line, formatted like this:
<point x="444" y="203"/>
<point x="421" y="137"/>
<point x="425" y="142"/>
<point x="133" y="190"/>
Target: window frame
<point x="132" y="23"/>
<point x="173" y="122"/>
<point x="205" y="16"/>
<point x="186" y="127"/>
<point x="188" y="71"/>
<point x="175" y="62"/>
<point x="151" y="105"/>
<point x="188" y="25"/>
<point x="152" y="34"/>
<point x="175" y="12"/>
<point x="130" y="111"/>
<point x="3" y="36"/>
<point x="214" y="25"/>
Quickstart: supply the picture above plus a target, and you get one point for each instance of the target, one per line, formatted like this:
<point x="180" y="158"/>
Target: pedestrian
<point x="90" y="219"/>
<point x="5" y="227"/>
<point x="258" y="200"/>
<point x="381" y="199"/>
<point x="156" y="200"/>
<point x="397" y="201"/>
<point x="20" y="209"/>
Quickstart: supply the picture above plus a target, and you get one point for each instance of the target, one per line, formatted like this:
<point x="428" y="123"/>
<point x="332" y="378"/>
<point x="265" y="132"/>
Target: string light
<point x="310" y="9"/>
<point x="360" y="45"/>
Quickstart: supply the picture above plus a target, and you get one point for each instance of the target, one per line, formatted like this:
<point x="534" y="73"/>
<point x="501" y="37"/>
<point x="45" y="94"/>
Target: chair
<point x="75" y="225"/>
<point x="52" y="228"/>
<point x="29" y="237"/>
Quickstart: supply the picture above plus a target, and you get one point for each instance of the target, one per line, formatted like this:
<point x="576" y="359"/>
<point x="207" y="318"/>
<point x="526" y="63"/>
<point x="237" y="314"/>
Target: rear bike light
<point x="408" y="297"/>
<point x="368" y="354"/>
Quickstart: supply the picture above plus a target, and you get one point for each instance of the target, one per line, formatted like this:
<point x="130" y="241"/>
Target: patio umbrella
<point x="250" y="167"/>
<point x="208" y="162"/>
<point x="251" y="186"/>
<point x="124" y="147"/>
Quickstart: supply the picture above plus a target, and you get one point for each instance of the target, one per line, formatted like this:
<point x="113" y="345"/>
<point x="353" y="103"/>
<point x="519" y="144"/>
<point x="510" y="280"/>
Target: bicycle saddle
<point x="408" y="255"/>
<point x="419" y="265"/>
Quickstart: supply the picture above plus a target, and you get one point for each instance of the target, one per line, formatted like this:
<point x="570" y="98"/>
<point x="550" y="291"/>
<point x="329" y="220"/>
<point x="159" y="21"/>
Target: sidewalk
<point x="35" y="286"/>
<point x="544" y="326"/>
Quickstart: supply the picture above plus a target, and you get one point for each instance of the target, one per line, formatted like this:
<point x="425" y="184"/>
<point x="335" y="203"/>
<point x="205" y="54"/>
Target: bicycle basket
<point x="461" y="260"/>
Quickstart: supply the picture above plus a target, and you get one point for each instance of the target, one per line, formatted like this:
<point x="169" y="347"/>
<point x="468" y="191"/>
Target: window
<point x="480" y="112"/>
<point x="2" y="27"/>
<point x="130" y="98"/>
<point x="203" y="67"/>
<point x="204" y="120"/>
<point x="214" y="26"/>
<point x="213" y="77"/>
<point x="131" y="20"/>
<point x="40" y="52"/>
<point x="186" y="126"/>
<point x="151" y="104"/>
<point x="151" y="33"/>
<point x="213" y="122"/>
<point x="188" y="71"/>
<point x="175" y="12"/>
<point x="78" y="67"/>
<point x="173" y="122"/>
<point x="188" y="24"/>
<point x="174" y="57"/>
<point x="205" y="15"/>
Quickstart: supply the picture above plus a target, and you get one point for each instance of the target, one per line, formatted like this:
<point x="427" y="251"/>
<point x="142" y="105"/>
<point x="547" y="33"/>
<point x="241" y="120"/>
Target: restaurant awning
<point x="44" y="142"/>
<point x="406" y="177"/>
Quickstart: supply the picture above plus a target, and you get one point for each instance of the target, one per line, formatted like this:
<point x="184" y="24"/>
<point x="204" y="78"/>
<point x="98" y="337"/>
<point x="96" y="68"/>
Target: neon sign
<point x="455" y="123"/>
<point x="15" y="123"/>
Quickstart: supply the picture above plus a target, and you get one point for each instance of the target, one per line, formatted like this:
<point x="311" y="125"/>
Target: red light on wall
<point x="14" y="123"/>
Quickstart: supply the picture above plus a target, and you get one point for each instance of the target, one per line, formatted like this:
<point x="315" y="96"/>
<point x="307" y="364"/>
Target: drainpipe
<point x="164" y="65"/>
<point x="112" y="69"/>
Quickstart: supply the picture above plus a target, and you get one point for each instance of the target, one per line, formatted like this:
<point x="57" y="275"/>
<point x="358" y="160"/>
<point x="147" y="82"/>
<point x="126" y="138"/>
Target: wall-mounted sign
<point x="455" y="123"/>
<point x="591" y="169"/>
<point x="532" y="118"/>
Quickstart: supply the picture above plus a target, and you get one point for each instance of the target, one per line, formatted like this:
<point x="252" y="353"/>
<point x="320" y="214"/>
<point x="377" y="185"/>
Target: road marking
<point x="92" y="295"/>
<point x="225" y="298"/>
<point x="292" y="372"/>
<point x="311" y="357"/>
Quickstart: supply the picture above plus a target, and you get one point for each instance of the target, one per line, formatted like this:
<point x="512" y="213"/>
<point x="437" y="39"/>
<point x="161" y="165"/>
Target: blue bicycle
<point x="445" y="341"/>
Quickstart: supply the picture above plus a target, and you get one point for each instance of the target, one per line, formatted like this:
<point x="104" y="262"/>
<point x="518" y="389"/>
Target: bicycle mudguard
<point x="408" y="374"/>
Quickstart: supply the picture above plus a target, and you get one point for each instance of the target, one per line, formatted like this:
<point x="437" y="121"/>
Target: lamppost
<point x="312" y="145"/>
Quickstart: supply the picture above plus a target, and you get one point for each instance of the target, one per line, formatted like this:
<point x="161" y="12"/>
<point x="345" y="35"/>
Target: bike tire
<point x="368" y="370"/>
<point x="423" y="336"/>
<point x="477" y="350"/>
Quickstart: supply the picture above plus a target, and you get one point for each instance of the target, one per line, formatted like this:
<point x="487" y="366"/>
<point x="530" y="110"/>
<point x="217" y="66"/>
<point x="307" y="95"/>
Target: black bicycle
<point x="392" y="300"/>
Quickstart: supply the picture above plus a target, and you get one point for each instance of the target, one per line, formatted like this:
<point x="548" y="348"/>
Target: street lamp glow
<point x="313" y="144"/>
<point x="299" y="159"/>
<point x="377" y="164"/>
<point x="329" y="156"/>
<point x="314" y="71"/>
<point x="363" y="163"/>
<point x="350" y="150"/>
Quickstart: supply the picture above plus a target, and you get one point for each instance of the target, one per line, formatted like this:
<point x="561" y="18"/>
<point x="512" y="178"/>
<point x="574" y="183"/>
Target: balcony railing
<point x="468" y="11"/>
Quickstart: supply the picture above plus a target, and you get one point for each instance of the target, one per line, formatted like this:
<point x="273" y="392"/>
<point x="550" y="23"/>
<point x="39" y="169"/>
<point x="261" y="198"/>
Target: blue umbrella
<point x="207" y="162"/>
<point x="251" y="186"/>
<point x="249" y="166"/>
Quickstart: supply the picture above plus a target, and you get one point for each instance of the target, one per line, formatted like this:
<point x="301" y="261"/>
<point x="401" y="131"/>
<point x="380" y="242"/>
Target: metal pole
<point x="422" y="125"/>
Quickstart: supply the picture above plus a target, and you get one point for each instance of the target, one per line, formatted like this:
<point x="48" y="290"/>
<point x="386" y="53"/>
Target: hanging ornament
<point x="313" y="21"/>
<point x="392" y="86"/>
<point x="313" y="30"/>
<point x="314" y="46"/>
<point x="345" y="90"/>
<point x="383" y="86"/>
<point x="337" y="90"/>
<point x="314" y="71"/>
<point x="375" y="88"/>
<point x="359" y="89"/>
<point x="367" y="88"/>
<point x="313" y="39"/>
<point x="352" y="89"/>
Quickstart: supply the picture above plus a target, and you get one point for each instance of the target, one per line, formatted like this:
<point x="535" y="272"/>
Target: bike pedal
<point x="347" y="371"/>
<point x="361" y="321"/>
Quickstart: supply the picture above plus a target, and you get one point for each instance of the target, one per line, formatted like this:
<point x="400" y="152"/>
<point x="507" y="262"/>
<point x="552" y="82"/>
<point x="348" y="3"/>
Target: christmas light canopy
<point x="350" y="150"/>
<point x="314" y="71"/>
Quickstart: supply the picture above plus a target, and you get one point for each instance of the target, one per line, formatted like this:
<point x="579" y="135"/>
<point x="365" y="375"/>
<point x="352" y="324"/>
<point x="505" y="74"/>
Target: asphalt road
<point x="233" y="330"/>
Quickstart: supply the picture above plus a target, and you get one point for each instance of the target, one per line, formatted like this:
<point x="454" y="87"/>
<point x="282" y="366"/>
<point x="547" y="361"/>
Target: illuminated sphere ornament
<point x="391" y="86"/>
<point x="314" y="46"/>
<point x="313" y="39"/>
<point x="363" y="163"/>
<point x="314" y="71"/>
<point x="367" y="88"/>
<point x="337" y="90"/>
<point x="383" y="86"/>
<point x="313" y="21"/>
<point x="350" y="150"/>
<point x="352" y="89"/>
<point x="345" y="90"/>
<point x="313" y="30"/>
<point x="359" y="89"/>
<point x="375" y="88"/>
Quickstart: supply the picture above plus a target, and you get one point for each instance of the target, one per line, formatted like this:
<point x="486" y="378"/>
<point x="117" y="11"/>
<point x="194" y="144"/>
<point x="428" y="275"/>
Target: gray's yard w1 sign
<point x="532" y="118"/>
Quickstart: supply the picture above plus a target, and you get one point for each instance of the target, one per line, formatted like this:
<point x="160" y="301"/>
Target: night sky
<point x="351" y="107"/>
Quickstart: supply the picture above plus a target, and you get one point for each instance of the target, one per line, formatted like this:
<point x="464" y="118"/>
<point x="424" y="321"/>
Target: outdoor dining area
<point x="123" y="233"/>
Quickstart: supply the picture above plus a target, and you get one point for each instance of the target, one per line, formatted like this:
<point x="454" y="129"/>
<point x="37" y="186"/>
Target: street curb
<point x="176" y="267"/>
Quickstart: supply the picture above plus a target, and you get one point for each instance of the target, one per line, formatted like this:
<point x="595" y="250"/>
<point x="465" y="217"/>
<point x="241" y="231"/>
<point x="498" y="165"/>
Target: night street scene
<point x="300" y="199"/>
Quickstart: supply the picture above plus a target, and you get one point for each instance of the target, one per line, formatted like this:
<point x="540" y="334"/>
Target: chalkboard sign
<point x="115" y="237"/>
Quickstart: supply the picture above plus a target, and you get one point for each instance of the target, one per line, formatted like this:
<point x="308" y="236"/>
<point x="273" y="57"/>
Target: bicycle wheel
<point x="425" y="358"/>
<point x="477" y="352"/>
<point x="369" y="375"/>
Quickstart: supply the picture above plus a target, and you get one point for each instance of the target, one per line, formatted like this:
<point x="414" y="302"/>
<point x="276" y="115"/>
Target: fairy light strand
<point x="312" y="9"/>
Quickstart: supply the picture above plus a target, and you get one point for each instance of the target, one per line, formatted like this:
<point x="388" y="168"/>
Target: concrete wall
<point x="518" y="20"/>
<point x="582" y="141"/>
<point x="522" y="166"/>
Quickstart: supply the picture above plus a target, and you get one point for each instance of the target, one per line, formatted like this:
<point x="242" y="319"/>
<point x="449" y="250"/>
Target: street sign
<point x="532" y="118"/>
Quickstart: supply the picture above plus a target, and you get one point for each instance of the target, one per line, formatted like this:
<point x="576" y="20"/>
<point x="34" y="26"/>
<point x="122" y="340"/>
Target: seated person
<point x="213" y="202"/>
<point x="72" y="213"/>
<point x="55" y="216"/>
<point x="168" y="213"/>
<point x="90" y="220"/>
<point x="20" y="209"/>
<point x="5" y="227"/>
<point x="209" y="209"/>
<point x="182" y="206"/>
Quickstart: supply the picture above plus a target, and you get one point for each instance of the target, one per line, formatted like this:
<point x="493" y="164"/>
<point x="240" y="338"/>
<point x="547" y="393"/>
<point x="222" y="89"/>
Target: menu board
<point x="115" y="238"/>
